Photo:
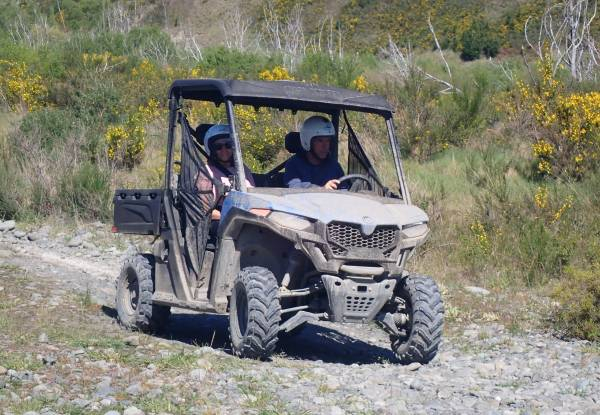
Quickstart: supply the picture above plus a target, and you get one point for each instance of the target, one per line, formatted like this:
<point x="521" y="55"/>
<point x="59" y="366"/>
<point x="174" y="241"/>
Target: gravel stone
<point x="477" y="290"/>
<point x="132" y="410"/>
<point x="8" y="225"/>
<point x="80" y="403"/>
<point x="413" y="366"/>
<point x="135" y="389"/>
<point x="198" y="374"/>
<point x="34" y="236"/>
<point x="336" y="410"/>
<point x="132" y="340"/>
<point x="48" y="360"/>
<point x="75" y="242"/>
<point x="19" y="234"/>
<point x="104" y="388"/>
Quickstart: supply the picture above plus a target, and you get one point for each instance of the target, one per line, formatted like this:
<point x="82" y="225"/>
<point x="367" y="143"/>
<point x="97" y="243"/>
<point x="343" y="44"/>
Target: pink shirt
<point x="204" y="184"/>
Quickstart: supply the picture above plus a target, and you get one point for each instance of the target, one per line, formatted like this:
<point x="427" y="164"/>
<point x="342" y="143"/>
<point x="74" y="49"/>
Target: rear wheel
<point x="254" y="313"/>
<point x="135" y="287"/>
<point x="422" y="333"/>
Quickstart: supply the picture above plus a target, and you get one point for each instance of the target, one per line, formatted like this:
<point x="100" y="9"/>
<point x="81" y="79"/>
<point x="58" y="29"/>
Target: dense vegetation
<point x="505" y="162"/>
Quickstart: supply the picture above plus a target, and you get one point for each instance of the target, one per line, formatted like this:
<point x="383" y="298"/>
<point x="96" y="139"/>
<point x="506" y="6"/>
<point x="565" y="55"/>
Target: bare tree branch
<point x="236" y="28"/>
<point x="405" y="65"/>
<point x="565" y="30"/>
<point x="437" y="45"/>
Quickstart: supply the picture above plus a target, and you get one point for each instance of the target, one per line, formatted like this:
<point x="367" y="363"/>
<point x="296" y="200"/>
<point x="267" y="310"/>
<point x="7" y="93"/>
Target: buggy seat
<point x="274" y="178"/>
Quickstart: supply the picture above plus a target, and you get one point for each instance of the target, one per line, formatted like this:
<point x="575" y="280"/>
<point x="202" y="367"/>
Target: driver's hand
<point x="332" y="184"/>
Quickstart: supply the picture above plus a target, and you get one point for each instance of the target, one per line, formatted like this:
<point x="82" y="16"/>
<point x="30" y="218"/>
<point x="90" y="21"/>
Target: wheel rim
<point x="132" y="293"/>
<point x="241" y="310"/>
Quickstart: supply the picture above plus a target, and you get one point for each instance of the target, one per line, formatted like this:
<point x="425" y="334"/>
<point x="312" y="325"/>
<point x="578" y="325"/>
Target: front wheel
<point x="135" y="287"/>
<point x="254" y="313"/>
<point x="422" y="332"/>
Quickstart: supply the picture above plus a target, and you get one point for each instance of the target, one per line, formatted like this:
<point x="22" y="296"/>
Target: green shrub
<point x="100" y="101"/>
<point x="49" y="127"/>
<point x="430" y="122"/>
<point x="9" y="188"/>
<point x="325" y="69"/>
<point x="151" y="42"/>
<point x="78" y="14"/>
<point x="462" y="113"/>
<point x="231" y="63"/>
<point x="85" y="192"/>
<point x="578" y="294"/>
<point x="540" y="252"/>
<point x="477" y="39"/>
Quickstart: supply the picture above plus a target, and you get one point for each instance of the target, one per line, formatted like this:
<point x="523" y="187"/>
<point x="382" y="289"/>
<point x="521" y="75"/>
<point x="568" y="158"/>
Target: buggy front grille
<point x="347" y="236"/>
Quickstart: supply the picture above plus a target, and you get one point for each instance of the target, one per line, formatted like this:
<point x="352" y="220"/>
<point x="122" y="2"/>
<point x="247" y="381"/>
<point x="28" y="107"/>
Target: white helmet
<point x="214" y="132"/>
<point x="315" y="126"/>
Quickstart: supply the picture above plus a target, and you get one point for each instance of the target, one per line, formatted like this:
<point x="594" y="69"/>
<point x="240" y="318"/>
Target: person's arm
<point x="332" y="184"/>
<point x="292" y="177"/>
<point x="336" y="173"/>
<point x="249" y="176"/>
<point x="298" y="184"/>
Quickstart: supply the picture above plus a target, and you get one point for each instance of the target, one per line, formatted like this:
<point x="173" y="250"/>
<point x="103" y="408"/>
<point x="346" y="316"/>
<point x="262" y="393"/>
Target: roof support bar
<point x="396" y="152"/>
<point x="170" y="141"/>
<point x="237" y="150"/>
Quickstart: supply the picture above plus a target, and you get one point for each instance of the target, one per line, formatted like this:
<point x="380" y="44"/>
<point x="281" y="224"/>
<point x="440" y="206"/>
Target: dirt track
<point x="327" y="369"/>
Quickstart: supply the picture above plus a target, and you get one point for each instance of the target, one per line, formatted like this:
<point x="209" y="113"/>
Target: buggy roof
<point x="291" y="95"/>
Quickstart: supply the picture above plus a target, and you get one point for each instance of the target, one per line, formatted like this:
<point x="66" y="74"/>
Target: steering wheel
<point x="355" y="178"/>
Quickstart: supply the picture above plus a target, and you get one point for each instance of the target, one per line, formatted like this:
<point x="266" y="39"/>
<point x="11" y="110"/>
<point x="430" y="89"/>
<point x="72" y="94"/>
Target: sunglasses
<point x="220" y="146"/>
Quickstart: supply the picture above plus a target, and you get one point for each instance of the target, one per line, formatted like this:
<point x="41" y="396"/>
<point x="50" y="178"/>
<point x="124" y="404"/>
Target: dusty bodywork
<point x="281" y="257"/>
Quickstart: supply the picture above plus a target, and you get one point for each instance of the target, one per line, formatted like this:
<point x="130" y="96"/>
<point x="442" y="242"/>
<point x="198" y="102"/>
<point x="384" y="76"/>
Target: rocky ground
<point x="61" y="351"/>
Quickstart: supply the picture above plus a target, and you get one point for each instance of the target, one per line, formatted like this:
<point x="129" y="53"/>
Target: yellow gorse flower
<point x="102" y="62"/>
<point x="561" y="211"/>
<point x="543" y="149"/>
<point x="541" y="197"/>
<point x="126" y="142"/>
<point x="278" y="73"/>
<point x="20" y="88"/>
<point x="481" y="236"/>
<point x="360" y="83"/>
<point x="570" y="123"/>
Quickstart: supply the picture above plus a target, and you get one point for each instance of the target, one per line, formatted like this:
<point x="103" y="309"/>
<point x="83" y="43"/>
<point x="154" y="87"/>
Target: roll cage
<point x="281" y="95"/>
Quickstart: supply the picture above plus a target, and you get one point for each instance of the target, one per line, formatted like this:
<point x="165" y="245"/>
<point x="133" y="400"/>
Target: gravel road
<point x="327" y="369"/>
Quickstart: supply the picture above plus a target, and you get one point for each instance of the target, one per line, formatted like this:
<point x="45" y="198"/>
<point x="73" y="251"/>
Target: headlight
<point x="287" y="220"/>
<point x="415" y="230"/>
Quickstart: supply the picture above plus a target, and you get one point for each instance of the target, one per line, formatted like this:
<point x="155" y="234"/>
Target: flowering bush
<point x="278" y="73"/>
<point x="19" y="88"/>
<point x="126" y="143"/>
<point x="480" y="235"/>
<point x="260" y="137"/>
<point x="578" y="295"/>
<point x="567" y="142"/>
<point x="102" y="62"/>
<point x="360" y="84"/>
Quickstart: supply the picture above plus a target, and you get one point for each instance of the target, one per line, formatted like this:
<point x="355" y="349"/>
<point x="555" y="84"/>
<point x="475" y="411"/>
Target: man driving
<point x="314" y="166"/>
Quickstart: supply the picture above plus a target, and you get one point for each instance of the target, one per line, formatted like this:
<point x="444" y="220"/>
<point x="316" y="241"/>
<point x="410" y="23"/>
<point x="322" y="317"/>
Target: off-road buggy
<point x="282" y="257"/>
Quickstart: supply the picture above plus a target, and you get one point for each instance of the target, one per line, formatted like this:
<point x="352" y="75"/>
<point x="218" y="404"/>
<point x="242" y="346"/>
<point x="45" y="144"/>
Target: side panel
<point x="138" y="211"/>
